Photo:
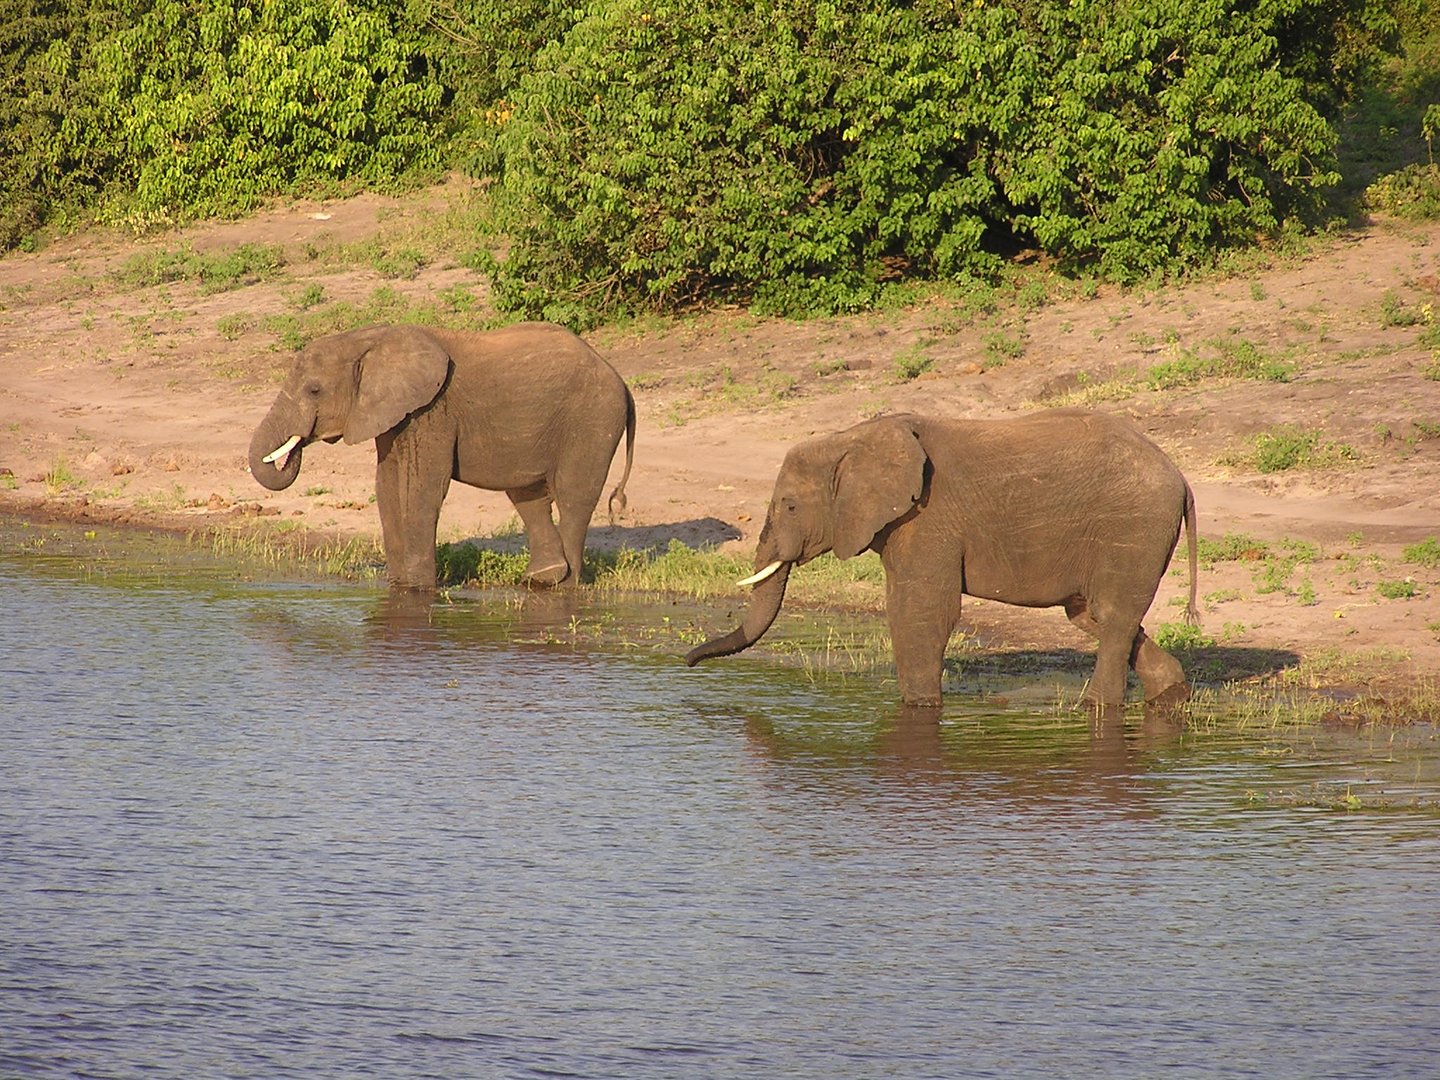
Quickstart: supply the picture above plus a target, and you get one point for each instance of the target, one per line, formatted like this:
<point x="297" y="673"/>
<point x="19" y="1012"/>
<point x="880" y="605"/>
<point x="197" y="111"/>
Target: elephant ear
<point x="402" y="370"/>
<point x="879" y="477"/>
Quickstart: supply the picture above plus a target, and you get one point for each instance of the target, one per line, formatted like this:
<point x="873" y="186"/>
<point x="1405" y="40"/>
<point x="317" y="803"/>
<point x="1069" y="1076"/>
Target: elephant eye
<point x="313" y="389"/>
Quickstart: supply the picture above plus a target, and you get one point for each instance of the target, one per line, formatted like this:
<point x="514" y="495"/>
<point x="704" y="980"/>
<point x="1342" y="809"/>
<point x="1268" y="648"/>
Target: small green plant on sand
<point x="1232" y="547"/>
<point x="1425" y="553"/>
<point x="1397" y="590"/>
<point x="912" y="362"/>
<point x="234" y="327"/>
<point x="1229" y="360"/>
<point x="1293" y="447"/>
<point x="1001" y="346"/>
<point x="213" y="272"/>
<point x="1182" y="636"/>
<point x="1395" y="312"/>
<point x="59" y="478"/>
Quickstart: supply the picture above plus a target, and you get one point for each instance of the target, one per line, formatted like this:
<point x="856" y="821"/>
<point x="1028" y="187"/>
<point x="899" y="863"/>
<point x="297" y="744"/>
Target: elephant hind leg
<point x="1113" y="654"/>
<point x="1160" y="673"/>
<point x="578" y="486"/>
<point x="548" y="565"/>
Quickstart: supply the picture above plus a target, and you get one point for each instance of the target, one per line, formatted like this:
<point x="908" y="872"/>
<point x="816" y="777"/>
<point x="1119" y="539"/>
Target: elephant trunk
<point x="764" y="606"/>
<point x="275" y="448"/>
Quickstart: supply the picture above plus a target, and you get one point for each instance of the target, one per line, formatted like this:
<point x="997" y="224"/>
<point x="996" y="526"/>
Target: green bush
<point x="796" y="155"/>
<point x="228" y="104"/>
<point x="40" y="51"/>
<point x="1412" y="192"/>
<point x="479" y="50"/>
<point x="161" y="110"/>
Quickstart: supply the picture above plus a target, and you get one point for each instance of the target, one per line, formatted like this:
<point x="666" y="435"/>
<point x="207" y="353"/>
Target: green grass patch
<point x="1395" y="312"/>
<point x="212" y="272"/>
<point x="1000" y="346"/>
<point x="1274" y="572"/>
<point x="1293" y="447"/>
<point x="282" y="544"/>
<point x="1232" y="547"/>
<point x="1397" y="590"/>
<point x="60" y="478"/>
<point x="1182" y="637"/>
<point x="1219" y="360"/>
<point x="1425" y="553"/>
<point x="410" y="239"/>
<point x="469" y="564"/>
<point x="704" y="573"/>
<point x="234" y="327"/>
<point x="912" y="362"/>
<point x="1228" y="360"/>
<point x="677" y="569"/>
<point x="1274" y="566"/>
<point x="385" y="304"/>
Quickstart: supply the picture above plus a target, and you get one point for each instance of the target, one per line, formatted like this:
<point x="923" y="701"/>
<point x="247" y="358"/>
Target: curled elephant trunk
<point x="764" y="606"/>
<point x="275" y="452"/>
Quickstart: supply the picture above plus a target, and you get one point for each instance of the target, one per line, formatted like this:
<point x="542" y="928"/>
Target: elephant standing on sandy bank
<point x="1064" y="507"/>
<point x="529" y="409"/>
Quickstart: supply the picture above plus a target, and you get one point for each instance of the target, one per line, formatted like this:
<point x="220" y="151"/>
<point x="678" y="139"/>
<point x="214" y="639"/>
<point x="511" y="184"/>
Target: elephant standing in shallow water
<point x="1064" y="507"/>
<point x="529" y="409"/>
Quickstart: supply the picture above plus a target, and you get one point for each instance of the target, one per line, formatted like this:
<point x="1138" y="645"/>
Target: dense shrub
<point x="177" y="108"/>
<point x="795" y="154"/>
<point x="480" y="50"/>
<point x="230" y="103"/>
<point x="39" y="45"/>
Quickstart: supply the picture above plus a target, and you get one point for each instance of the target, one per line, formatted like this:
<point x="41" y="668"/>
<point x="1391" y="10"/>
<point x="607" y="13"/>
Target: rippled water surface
<point x="281" y="830"/>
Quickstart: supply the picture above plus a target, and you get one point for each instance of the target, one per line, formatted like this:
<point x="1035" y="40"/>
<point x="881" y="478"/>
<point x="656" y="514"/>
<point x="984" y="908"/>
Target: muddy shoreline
<point x="133" y="406"/>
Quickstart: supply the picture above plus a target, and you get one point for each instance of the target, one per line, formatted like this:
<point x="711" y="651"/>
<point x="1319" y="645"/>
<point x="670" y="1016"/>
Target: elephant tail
<point x="1192" y="609"/>
<point x="618" y="501"/>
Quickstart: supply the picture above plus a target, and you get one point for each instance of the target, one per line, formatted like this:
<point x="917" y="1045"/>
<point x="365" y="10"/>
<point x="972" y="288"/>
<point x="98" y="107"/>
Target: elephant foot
<point x="547" y="576"/>
<point x="1099" y="703"/>
<point x="1174" y="694"/>
<point x="921" y="701"/>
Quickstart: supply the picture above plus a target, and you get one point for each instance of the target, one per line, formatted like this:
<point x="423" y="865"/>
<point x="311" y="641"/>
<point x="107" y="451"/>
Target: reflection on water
<point x="279" y="829"/>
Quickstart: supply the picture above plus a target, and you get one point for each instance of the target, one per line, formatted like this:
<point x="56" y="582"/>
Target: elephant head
<point x="834" y="493"/>
<point x="356" y="386"/>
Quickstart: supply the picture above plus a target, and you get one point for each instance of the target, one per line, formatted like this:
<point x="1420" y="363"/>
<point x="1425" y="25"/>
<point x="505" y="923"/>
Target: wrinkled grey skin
<point x="530" y="410"/>
<point x="1065" y="507"/>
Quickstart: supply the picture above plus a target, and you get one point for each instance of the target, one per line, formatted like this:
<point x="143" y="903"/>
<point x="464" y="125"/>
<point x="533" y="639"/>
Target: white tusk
<point x="281" y="453"/>
<point x="761" y="575"/>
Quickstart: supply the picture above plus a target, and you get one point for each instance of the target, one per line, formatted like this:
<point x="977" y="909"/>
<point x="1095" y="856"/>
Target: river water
<point x="273" y="828"/>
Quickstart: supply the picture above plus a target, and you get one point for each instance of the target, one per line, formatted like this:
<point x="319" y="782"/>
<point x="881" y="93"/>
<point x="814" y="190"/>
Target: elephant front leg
<point x="922" y="616"/>
<point x="409" y="496"/>
<point x="548" y="565"/>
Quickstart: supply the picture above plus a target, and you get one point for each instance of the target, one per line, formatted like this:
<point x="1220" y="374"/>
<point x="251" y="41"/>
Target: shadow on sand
<point x="696" y="533"/>
<point x="1214" y="664"/>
